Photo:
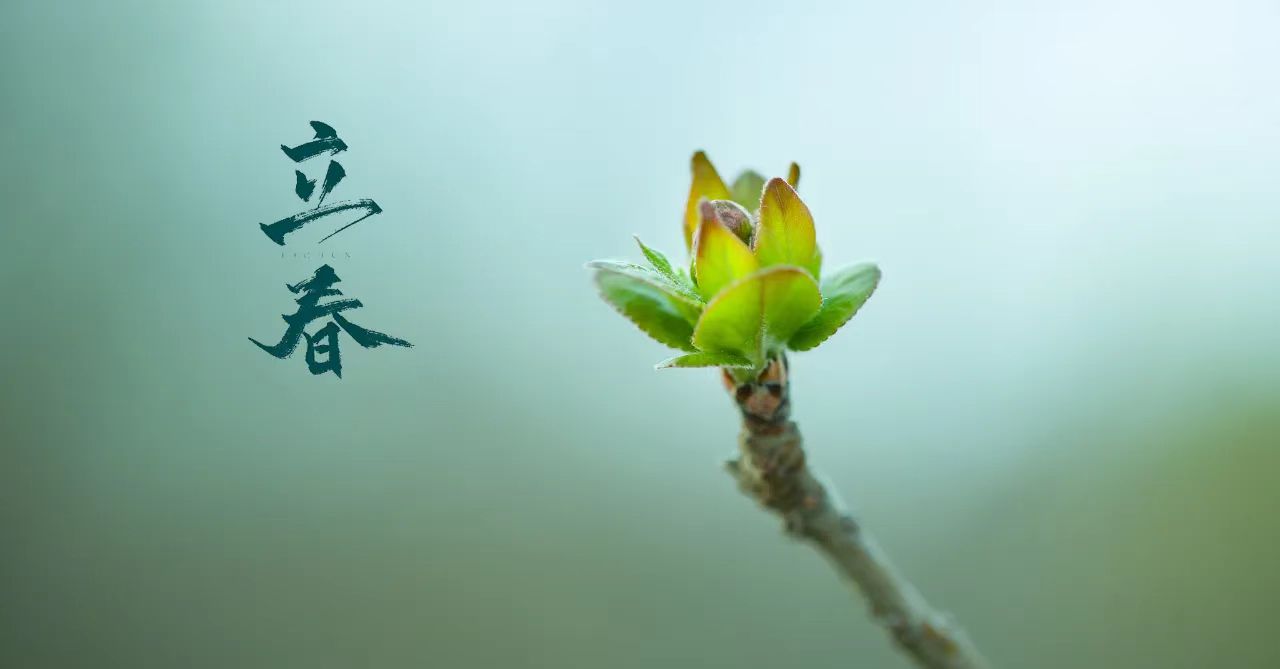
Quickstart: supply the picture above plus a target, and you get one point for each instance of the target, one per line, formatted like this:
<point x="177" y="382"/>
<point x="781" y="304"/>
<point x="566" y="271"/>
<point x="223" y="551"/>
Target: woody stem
<point x="771" y="469"/>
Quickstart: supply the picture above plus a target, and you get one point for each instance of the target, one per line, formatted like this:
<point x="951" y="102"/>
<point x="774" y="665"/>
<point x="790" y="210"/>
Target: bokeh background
<point x="1059" y="413"/>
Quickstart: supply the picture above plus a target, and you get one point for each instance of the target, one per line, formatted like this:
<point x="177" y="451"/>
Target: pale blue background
<point x="1059" y="412"/>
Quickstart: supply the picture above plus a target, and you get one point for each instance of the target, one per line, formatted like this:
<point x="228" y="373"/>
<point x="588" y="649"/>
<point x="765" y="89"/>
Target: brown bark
<point x="772" y="470"/>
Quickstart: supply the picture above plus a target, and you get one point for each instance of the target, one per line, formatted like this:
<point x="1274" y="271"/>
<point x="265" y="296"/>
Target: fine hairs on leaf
<point x="663" y="266"/>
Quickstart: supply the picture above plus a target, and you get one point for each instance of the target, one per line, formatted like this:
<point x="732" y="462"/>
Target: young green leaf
<point x="648" y="302"/>
<point x="719" y="257"/>
<point x="706" y="183"/>
<point x="784" y="234"/>
<point x="747" y="189"/>
<point x="791" y="299"/>
<point x="731" y="321"/>
<point x="754" y="315"/>
<point x="656" y="259"/>
<point x="663" y="267"/>
<point x="706" y="360"/>
<point x="843" y="293"/>
<point x="793" y="175"/>
<point x="688" y="302"/>
<point x="626" y="268"/>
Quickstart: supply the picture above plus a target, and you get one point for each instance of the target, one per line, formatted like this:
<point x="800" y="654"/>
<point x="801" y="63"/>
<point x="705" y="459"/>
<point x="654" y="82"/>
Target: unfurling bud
<point x="754" y="288"/>
<point x="731" y="214"/>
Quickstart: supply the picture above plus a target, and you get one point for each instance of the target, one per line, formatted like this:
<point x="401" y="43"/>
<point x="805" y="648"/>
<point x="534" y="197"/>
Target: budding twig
<point x="771" y="469"/>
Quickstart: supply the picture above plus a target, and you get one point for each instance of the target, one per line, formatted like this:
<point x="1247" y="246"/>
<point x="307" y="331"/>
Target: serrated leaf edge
<point x="671" y="363"/>
<point x="875" y="285"/>
<point x="686" y="346"/>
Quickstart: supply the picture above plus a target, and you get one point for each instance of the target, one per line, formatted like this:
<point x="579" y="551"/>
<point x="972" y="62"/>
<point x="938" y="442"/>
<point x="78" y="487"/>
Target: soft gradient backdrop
<point x="1060" y="412"/>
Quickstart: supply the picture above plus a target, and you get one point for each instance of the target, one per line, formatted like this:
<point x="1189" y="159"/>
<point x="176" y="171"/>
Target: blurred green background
<point x="1059" y="413"/>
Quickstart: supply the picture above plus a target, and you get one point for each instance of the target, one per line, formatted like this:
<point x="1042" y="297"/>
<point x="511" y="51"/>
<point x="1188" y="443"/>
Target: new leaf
<point x="719" y="257"/>
<point x="706" y="184"/>
<point x="756" y="315"/>
<point x="843" y="293"/>
<point x="706" y="360"/>
<point x="648" y="301"/>
<point x="784" y="234"/>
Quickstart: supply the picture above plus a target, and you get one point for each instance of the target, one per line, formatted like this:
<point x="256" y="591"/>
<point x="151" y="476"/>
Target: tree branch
<point x="771" y="469"/>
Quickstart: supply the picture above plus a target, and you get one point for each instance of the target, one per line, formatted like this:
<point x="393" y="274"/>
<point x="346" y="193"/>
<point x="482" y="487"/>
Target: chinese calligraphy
<point x="319" y="286"/>
<point x="323" y="354"/>
<point x="326" y="141"/>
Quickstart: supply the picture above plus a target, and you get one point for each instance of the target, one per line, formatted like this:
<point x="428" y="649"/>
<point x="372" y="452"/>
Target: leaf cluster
<point x="754" y="287"/>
